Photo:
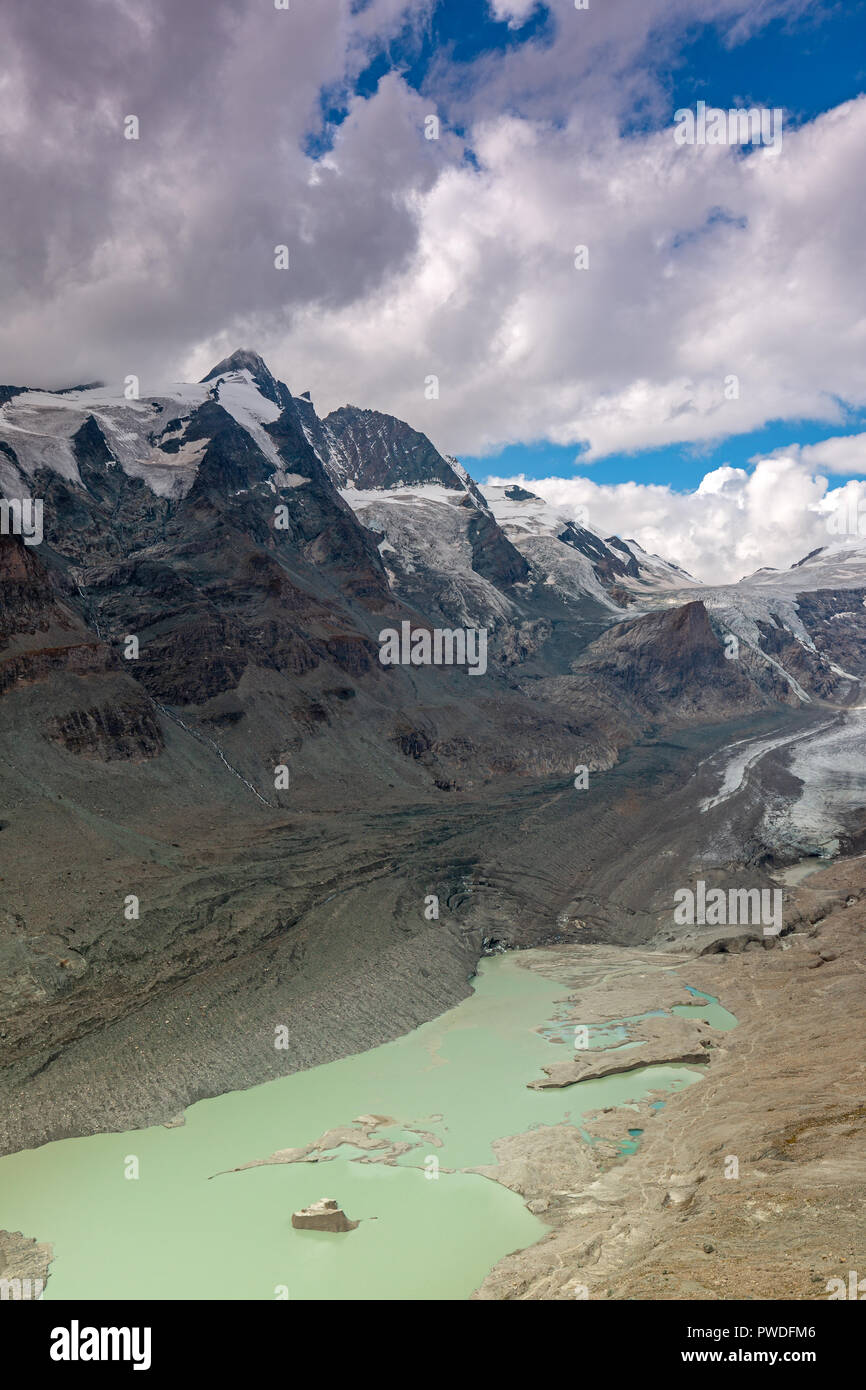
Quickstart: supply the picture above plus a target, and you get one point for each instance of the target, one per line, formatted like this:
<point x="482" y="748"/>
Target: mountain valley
<point x="223" y="815"/>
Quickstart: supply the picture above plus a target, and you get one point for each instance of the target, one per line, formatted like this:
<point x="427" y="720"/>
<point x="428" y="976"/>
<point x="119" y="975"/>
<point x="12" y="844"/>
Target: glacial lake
<point x="179" y="1232"/>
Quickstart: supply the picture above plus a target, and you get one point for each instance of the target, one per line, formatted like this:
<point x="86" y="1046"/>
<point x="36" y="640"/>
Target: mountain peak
<point x="243" y="359"/>
<point x="369" y="449"/>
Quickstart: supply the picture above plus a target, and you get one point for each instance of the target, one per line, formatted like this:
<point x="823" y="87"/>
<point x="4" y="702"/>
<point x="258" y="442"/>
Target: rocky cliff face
<point x="94" y="708"/>
<point x="669" y="664"/>
<point x="366" y="449"/>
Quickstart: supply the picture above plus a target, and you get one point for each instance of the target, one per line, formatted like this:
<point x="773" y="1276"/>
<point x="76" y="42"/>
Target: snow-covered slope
<point x="37" y="429"/>
<point x="655" y="574"/>
<point x="801" y="630"/>
<point x="150" y="437"/>
<point x="429" y="551"/>
<point x="553" y="538"/>
<point x="839" y="565"/>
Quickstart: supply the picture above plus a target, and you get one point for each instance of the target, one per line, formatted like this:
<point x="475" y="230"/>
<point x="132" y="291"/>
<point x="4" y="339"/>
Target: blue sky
<point x="806" y="64"/>
<point x="681" y="467"/>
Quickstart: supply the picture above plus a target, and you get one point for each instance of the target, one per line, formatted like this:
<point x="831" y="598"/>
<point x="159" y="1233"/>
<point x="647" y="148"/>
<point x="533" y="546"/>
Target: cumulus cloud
<point x="734" y="522"/>
<point x="841" y="454"/>
<point x="722" y="291"/>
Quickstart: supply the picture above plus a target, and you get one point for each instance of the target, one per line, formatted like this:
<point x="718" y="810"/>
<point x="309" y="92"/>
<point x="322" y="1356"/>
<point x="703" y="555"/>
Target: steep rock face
<point x="493" y="555"/>
<point x="327" y="525"/>
<point x="811" y="670"/>
<point x="668" y="665"/>
<point x="367" y="449"/>
<point x="836" y="622"/>
<point x="87" y="704"/>
<point x="610" y="564"/>
<point x="28" y="599"/>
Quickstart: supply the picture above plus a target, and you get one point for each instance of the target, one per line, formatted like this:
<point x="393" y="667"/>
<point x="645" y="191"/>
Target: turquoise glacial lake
<point x="187" y="1229"/>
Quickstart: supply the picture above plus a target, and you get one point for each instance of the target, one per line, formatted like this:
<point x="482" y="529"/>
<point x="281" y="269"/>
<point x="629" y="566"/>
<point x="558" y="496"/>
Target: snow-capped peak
<point x="243" y="359"/>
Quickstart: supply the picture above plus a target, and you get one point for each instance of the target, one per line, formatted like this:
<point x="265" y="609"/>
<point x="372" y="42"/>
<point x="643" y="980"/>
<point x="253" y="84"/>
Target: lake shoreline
<point x="639" y="1158"/>
<point x="748" y="1185"/>
<point x="281" y="1146"/>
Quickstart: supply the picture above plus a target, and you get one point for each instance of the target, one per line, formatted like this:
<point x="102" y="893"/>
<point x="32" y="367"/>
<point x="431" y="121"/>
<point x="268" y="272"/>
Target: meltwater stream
<point x="187" y="1228"/>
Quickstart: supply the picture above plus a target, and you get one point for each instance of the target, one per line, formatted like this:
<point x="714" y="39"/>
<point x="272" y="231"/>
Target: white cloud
<point x="841" y="454"/>
<point x="734" y="522"/>
<point x="704" y="266"/>
<point x="514" y="12"/>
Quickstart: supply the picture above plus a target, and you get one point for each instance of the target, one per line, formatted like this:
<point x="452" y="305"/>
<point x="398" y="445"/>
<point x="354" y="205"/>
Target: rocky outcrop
<point x="87" y="703"/>
<point x="669" y="665"/>
<point x="493" y="555"/>
<point x="24" y="1266"/>
<point x="836" y="621"/>
<point x="324" y="1215"/>
<point x="611" y="560"/>
<point x="366" y="449"/>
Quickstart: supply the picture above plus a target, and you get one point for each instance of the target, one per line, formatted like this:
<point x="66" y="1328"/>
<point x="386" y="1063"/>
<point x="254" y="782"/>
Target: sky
<point x="694" y="377"/>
